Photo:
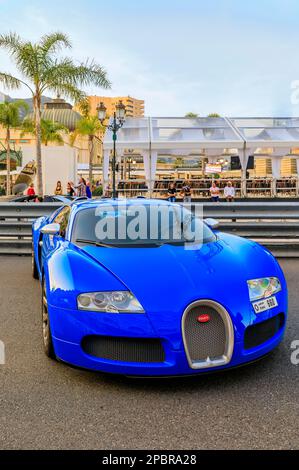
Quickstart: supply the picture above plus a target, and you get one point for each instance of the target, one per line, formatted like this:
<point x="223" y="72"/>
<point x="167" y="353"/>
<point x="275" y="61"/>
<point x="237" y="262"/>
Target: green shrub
<point x="98" y="191"/>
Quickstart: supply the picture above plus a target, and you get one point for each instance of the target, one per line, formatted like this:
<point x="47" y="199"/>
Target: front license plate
<point x="266" y="304"/>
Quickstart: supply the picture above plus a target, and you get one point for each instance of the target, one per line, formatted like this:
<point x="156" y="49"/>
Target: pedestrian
<point x="214" y="192"/>
<point x="186" y="192"/>
<point x="70" y="189"/>
<point x="58" y="190"/>
<point x="229" y="192"/>
<point x="88" y="190"/>
<point x="171" y="192"/>
<point x="81" y="187"/>
<point x="31" y="190"/>
<point x="108" y="192"/>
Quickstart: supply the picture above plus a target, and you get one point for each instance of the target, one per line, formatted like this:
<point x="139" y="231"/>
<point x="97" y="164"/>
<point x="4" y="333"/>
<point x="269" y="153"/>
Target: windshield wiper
<point x="93" y="242"/>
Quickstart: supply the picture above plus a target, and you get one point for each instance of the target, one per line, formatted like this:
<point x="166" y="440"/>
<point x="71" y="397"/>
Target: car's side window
<point x="62" y="219"/>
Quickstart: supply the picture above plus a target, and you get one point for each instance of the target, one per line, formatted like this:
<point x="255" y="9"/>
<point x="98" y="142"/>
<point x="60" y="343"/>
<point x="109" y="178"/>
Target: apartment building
<point x="134" y="106"/>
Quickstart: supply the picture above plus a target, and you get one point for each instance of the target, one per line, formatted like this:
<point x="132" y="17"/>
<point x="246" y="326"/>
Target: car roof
<point x="116" y="202"/>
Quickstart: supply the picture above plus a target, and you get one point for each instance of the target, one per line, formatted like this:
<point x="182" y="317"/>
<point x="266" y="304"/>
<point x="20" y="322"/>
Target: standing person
<point x="214" y="192"/>
<point x="186" y="192"/>
<point x="229" y="192"/>
<point x="88" y="190"/>
<point x="81" y="188"/>
<point x="70" y="189"/>
<point x="107" y="192"/>
<point x="58" y="190"/>
<point x="171" y="192"/>
<point x="31" y="190"/>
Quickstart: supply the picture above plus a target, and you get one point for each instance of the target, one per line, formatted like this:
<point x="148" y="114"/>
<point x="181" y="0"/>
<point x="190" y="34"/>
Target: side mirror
<point x="212" y="223"/>
<point x="51" y="229"/>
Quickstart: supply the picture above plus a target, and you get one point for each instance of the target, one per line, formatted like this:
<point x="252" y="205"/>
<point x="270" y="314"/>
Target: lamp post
<point x="117" y="122"/>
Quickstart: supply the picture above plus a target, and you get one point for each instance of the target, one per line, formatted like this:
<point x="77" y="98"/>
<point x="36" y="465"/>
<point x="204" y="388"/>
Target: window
<point x="155" y="226"/>
<point x="62" y="219"/>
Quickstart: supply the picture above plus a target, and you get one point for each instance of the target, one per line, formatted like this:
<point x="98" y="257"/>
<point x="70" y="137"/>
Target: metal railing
<point x="273" y="224"/>
<point x="16" y="225"/>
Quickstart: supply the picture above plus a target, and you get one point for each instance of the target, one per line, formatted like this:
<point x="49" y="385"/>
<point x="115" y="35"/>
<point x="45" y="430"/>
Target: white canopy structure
<point x="209" y="137"/>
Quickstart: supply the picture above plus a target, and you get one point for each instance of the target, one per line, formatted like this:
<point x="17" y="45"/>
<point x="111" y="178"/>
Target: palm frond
<point x="80" y="75"/>
<point x="9" y="81"/>
<point x="91" y="73"/>
<point x="50" y="130"/>
<point x="21" y="105"/>
<point x="54" y="42"/>
<point x="67" y="90"/>
<point x="29" y="61"/>
<point x="84" y="106"/>
<point x="57" y="70"/>
<point x="28" y="126"/>
<point x="12" y="42"/>
<point x="89" y="125"/>
<point x="10" y="113"/>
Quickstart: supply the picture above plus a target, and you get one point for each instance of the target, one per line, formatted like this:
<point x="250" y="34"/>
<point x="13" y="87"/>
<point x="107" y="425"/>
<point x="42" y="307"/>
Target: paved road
<point x="44" y="404"/>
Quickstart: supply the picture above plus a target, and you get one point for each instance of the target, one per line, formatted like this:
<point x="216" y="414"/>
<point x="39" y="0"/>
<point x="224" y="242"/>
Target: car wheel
<point x="33" y="263"/>
<point x="47" y="335"/>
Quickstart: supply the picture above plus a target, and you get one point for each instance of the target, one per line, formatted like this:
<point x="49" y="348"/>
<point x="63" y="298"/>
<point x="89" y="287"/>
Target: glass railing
<point x="200" y="188"/>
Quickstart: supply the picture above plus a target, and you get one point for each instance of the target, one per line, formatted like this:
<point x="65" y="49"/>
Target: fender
<point x="69" y="272"/>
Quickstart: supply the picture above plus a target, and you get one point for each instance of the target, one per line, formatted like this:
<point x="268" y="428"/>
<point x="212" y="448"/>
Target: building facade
<point x="134" y="107"/>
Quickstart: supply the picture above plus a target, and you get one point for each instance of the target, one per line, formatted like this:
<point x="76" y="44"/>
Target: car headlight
<point x="263" y="287"/>
<point x="114" y="302"/>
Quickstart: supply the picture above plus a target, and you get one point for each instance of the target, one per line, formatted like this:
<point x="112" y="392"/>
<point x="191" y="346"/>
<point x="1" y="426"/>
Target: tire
<point x="46" y="330"/>
<point x="33" y="263"/>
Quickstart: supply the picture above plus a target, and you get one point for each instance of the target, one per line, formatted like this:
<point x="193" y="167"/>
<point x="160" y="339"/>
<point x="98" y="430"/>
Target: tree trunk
<point x="37" y="115"/>
<point x="90" y="147"/>
<point x="8" y="161"/>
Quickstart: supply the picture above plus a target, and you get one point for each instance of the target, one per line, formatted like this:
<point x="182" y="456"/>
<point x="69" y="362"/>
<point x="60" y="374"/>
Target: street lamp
<point x="117" y="122"/>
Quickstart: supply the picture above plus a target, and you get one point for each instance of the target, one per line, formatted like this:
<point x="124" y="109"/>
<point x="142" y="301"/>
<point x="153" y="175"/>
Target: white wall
<point x="59" y="163"/>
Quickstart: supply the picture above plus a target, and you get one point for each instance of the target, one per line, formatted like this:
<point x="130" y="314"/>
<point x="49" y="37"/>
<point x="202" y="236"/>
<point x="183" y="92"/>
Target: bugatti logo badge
<point x="203" y="318"/>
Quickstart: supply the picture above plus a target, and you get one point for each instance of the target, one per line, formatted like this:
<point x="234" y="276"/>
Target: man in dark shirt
<point x="186" y="192"/>
<point x="171" y="192"/>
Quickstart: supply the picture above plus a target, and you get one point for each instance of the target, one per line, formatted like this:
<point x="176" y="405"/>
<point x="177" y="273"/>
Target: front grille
<point x="124" y="349"/>
<point x="207" y="344"/>
<point x="257" y="334"/>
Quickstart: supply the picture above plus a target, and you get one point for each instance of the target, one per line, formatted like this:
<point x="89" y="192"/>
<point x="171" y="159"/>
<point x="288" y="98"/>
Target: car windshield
<point x="139" y="225"/>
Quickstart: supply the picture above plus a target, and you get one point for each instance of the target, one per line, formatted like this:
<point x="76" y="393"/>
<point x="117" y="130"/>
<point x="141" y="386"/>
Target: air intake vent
<point x="257" y="334"/>
<point x="124" y="349"/>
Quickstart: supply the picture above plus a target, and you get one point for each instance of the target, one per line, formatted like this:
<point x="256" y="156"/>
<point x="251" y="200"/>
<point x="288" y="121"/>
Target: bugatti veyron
<point x="125" y="296"/>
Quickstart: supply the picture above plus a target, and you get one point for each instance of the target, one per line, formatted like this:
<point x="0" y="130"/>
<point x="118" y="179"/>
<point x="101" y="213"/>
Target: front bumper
<point x="69" y="327"/>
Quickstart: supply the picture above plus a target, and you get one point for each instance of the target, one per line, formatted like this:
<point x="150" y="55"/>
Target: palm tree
<point x="50" y="130"/>
<point x="41" y="70"/>
<point x="9" y="119"/>
<point x="88" y="126"/>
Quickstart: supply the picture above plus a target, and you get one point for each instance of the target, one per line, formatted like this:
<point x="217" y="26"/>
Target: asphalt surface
<point x="48" y="405"/>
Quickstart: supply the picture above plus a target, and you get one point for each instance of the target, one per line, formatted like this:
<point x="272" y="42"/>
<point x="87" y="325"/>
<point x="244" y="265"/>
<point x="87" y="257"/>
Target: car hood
<point x="170" y="277"/>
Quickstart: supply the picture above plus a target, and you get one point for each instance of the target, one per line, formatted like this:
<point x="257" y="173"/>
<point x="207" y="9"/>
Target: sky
<point x="234" y="57"/>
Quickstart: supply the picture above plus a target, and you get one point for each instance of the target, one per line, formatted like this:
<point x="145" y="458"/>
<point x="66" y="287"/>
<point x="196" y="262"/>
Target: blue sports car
<point x="146" y="287"/>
